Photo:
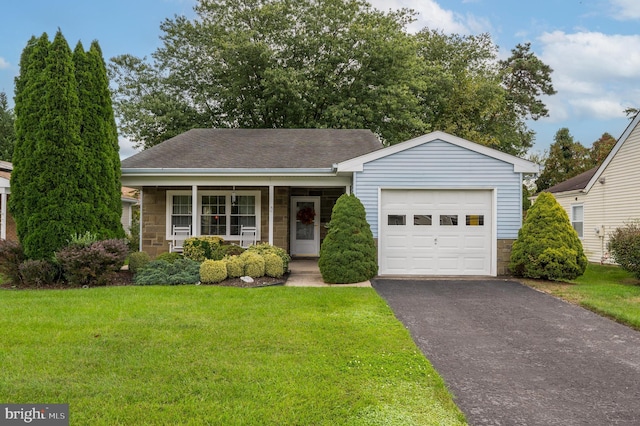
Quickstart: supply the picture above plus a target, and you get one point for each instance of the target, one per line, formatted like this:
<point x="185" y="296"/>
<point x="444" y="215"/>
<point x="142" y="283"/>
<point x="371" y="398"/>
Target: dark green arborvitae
<point x="66" y="177"/>
<point x="547" y="246"/>
<point x="348" y="253"/>
<point x="56" y="205"/>
<point x="99" y="138"/>
<point x="28" y="110"/>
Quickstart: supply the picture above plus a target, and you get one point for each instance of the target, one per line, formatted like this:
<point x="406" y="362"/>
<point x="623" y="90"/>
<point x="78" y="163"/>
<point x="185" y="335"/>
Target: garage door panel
<point x="425" y="244"/>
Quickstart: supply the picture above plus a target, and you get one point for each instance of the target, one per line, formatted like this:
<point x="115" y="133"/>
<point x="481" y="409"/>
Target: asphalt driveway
<point x="514" y="356"/>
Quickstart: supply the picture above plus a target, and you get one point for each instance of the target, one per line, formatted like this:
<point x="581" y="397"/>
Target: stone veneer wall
<point x="280" y="216"/>
<point x="154" y="210"/>
<point x="504" y="255"/>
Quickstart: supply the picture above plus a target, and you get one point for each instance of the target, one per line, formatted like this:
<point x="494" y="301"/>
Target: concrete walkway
<point x="305" y="273"/>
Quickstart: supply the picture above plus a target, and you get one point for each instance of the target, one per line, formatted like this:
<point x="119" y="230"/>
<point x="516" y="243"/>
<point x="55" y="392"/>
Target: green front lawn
<point x="605" y="289"/>
<point x="217" y="355"/>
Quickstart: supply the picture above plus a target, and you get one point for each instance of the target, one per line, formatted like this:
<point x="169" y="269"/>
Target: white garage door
<point x="435" y="232"/>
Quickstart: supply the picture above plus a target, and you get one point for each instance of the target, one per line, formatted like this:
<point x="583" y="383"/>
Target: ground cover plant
<point x="217" y="355"/>
<point x="605" y="289"/>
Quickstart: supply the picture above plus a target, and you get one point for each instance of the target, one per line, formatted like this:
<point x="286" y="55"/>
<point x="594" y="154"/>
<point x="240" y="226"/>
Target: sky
<point x="593" y="46"/>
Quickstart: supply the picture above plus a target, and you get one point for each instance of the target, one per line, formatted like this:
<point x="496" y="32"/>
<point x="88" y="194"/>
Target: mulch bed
<point x="125" y="278"/>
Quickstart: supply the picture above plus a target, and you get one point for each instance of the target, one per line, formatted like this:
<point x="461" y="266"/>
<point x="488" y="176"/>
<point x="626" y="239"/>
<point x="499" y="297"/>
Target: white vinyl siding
<point x="612" y="201"/>
<point x="439" y="164"/>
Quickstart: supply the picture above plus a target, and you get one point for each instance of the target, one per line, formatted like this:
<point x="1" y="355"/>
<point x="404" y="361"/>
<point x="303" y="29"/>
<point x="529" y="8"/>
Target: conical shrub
<point x="547" y="246"/>
<point x="348" y="253"/>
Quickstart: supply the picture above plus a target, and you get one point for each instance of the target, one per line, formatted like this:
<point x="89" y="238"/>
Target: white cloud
<point x="625" y="10"/>
<point x="432" y="16"/>
<point x="126" y="148"/>
<point x="3" y="63"/>
<point x="594" y="73"/>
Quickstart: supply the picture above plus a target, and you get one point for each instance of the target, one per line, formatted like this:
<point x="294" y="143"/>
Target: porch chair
<point x="179" y="234"/>
<point x="248" y="236"/>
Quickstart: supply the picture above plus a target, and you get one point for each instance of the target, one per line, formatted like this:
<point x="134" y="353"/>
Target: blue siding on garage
<point x="439" y="164"/>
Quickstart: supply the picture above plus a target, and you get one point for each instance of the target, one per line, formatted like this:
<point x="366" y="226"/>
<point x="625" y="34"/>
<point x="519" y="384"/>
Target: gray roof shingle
<point x="575" y="183"/>
<point x="256" y="149"/>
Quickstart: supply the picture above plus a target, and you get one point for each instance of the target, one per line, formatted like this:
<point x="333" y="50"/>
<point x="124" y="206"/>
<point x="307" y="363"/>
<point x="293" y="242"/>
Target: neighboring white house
<point x="605" y="198"/>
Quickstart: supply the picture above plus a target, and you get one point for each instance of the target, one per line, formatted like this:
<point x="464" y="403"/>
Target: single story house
<point x="436" y="204"/>
<point x="604" y="198"/>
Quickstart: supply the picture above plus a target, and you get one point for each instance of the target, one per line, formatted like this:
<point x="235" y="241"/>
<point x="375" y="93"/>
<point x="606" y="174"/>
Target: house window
<point x="213" y="219"/>
<point x="577" y="219"/>
<point x="181" y="210"/>
<point x="220" y="213"/>
<point x="243" y="213"/>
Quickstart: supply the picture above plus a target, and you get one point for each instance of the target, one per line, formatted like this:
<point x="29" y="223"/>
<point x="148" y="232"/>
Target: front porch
<point x="223" y="210"/>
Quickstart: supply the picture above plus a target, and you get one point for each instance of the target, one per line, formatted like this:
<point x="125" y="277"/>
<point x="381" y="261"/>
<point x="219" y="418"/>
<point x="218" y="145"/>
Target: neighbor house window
<point x="221" y="213"/>
<point x="577" y="219"/>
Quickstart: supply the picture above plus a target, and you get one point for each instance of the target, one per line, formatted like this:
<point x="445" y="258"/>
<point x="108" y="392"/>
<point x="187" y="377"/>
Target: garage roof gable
<point x="357" y="164"/>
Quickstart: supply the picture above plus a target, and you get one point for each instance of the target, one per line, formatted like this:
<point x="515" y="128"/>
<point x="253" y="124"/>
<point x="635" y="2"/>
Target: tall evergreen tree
<point x="7" y="129"/>
<point x="66" y="177"/>
<point x="55" y="202"/>
<point x="28" y="109"/>
<point x="99" y="139"/>
<point x="566" y="159"/>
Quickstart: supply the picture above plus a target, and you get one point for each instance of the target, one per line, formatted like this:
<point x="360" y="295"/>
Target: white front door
<point x="305" y="226"/>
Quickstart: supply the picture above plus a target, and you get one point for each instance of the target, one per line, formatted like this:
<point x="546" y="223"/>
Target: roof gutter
<point x="226" y="172"/>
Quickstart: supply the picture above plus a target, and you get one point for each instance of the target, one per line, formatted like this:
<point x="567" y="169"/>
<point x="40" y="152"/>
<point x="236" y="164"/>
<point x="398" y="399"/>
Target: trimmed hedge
<point x="213" y="271"/>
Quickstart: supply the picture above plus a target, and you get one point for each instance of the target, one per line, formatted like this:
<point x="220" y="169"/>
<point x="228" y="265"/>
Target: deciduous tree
<point x="7" y="130"/>
<point x="326" y="63"/>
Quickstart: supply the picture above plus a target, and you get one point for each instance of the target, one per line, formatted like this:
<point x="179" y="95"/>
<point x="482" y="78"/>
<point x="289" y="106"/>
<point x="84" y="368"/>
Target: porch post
<point x="271" y="202"/>
<point x="140" y="219"/>
<point x="194" y="210"/>
<point x="3" y="216"/>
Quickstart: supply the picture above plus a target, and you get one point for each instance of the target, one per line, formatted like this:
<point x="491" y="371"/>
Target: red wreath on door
<point x="306" y="215"/>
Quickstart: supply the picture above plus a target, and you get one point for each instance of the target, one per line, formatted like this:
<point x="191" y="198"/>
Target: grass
<point x="605" y="289"/>
<point x="215" y="355"/>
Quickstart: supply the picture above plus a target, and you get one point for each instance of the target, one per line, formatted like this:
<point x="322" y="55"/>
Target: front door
<point x="305" y="226"/>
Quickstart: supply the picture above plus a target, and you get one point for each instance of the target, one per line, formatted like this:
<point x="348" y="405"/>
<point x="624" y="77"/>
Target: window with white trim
<point x="220" y="213"/>
<point x="577" y="219"/>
